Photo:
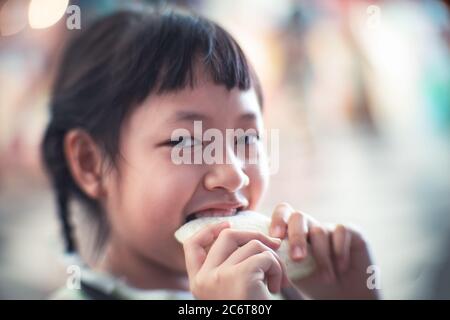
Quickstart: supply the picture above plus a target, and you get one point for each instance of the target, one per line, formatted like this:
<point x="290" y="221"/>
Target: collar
<point x="103" y="286"/>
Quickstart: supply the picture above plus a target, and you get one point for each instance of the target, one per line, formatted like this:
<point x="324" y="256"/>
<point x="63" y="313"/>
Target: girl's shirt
<point x="100" y="286"/>
<point x="94" y="285"/>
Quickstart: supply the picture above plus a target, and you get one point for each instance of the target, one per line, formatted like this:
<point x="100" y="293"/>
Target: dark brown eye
<point x="248" y="139"/>
<point x="184" y="142"/>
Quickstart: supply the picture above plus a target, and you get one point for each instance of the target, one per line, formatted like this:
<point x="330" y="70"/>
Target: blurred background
<point x="360" y="91"/>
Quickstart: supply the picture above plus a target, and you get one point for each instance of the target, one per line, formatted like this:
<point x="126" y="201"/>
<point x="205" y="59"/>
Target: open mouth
<point x="214" y="212"/>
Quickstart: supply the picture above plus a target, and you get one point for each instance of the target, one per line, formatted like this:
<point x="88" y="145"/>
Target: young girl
<point x="125" y="85"/>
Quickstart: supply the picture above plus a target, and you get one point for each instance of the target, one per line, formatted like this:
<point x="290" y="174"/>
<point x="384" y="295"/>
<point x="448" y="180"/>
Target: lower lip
<point x="216" y="213"/>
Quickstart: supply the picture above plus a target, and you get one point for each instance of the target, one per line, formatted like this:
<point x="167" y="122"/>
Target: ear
<point x="84" y="158"/>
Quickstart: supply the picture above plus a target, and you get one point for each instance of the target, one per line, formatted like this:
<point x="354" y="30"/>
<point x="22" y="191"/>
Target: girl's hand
<point x="229" y="264"/>
<point x="341" y="254"/>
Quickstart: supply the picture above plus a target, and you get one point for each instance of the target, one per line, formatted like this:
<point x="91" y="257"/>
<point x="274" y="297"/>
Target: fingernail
<point x="277" y="240"/>
<point x="278" y="231"/>
<point x="297" y="252"/>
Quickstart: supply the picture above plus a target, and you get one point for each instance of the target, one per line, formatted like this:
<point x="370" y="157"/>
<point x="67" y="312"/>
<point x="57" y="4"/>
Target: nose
<point x="229" y="175"/>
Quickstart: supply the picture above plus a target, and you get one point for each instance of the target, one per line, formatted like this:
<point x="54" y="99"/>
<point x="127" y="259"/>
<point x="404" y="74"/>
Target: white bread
<point x="251" y="221"/>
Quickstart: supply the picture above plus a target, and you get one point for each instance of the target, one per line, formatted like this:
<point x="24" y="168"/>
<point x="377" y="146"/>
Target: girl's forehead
<point x="206" y="102"/>
<point x="215" y="106"/>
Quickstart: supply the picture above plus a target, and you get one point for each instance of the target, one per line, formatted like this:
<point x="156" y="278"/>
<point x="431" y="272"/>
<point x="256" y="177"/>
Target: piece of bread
<point x="252" y="221"/>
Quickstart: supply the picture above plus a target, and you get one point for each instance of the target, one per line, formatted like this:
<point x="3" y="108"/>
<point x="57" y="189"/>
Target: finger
<point x="321" y="248"/>
<point x="247" y="250"/>
<point x="269" y="267"/>
<point x="358" y="241"/>
<point x="341" y="240"/>
<point x="229" y="240"/>
<point x="297" y="233"/>
<point x="280" y="216"/>
<point x="252" y="248"/>
<point x="195" y="247"/>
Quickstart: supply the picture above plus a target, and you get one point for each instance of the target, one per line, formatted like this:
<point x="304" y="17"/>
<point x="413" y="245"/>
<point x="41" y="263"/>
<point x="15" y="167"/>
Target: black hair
<point x="112" y="66"/>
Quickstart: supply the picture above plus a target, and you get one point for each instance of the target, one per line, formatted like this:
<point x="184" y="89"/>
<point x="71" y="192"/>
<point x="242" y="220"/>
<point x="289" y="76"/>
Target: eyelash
<point x="174" y="143"/>
<point x="252" y="136"/>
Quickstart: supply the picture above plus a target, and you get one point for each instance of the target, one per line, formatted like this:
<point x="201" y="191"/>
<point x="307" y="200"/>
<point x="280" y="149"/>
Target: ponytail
<point x="63" y="213"/>
<point x="56" y="165"/>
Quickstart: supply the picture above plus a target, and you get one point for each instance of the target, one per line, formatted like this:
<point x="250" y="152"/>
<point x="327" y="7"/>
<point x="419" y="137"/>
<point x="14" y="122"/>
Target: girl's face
<point x="148" y="196"/>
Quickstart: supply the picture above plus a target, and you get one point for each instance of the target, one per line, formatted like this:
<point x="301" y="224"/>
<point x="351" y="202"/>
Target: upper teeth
<point x="216" y="213"/>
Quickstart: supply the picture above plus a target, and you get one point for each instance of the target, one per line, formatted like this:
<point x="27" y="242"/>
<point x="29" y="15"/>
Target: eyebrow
<point x="196" y="116"/>
<point x="249" y="116"/>
<point x="190" y="116"/>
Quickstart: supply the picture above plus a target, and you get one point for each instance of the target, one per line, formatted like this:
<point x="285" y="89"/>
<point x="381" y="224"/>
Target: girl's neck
<point x="138" y="271"/>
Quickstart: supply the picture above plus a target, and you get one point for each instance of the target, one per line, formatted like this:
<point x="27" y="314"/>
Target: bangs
<point x="169" y="48"/>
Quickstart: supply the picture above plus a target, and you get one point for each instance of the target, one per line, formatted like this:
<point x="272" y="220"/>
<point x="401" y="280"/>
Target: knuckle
<point x="317" y="231"/>
<point x="259" y="235"/>
<point x="278" y="220"/>
<point x="271" y="256"/>
<point x="268" y="255"/>
<point x="256" y="244"/>
<point x="283" y="206"/>
<point x="340" y="228"/>
<point x="359" y="238"/>
<point x="356" y="233"/>
<point x="296" y="215"/>
<point x="256" y="235"/>
<point x="297" y="238"/>
<point x="226" y="234"/>
<point x="218" y="276"/>
<point x="196" y="285"/>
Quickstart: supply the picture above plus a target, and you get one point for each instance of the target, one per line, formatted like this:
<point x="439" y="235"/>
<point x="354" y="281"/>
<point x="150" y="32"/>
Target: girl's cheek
<point x="258" y="185"/>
